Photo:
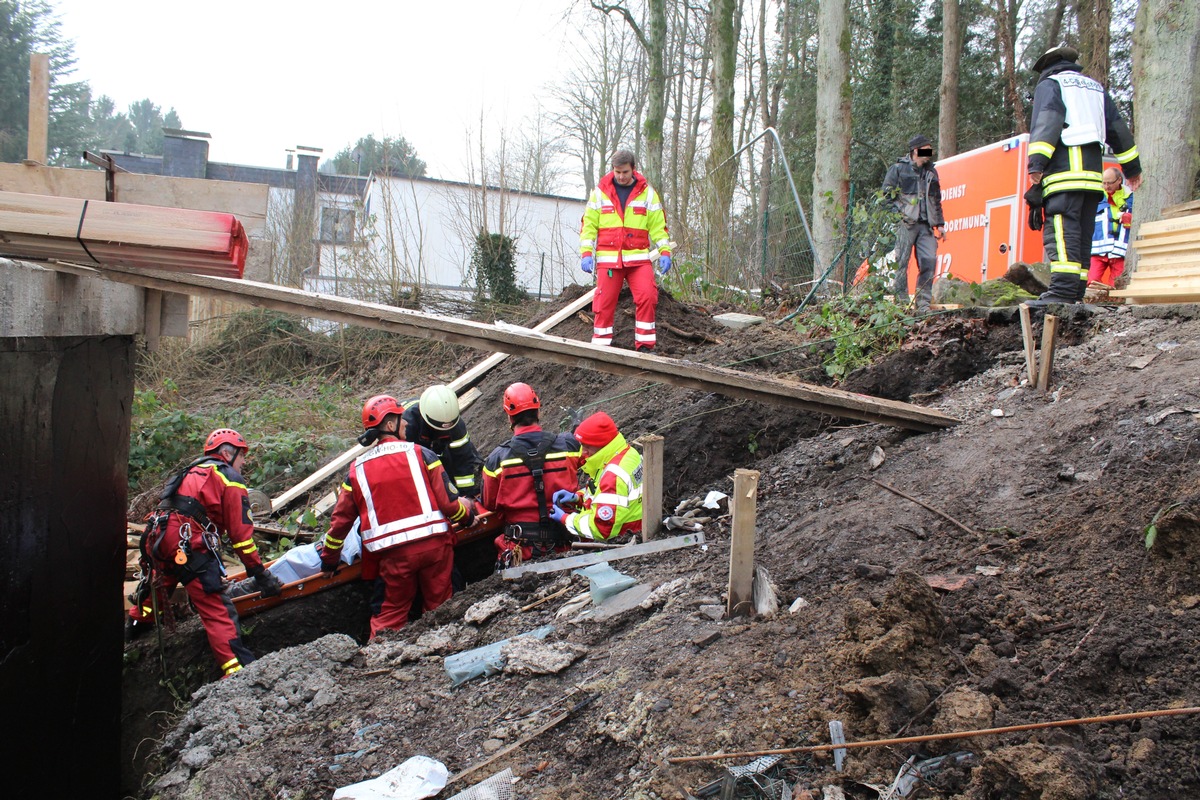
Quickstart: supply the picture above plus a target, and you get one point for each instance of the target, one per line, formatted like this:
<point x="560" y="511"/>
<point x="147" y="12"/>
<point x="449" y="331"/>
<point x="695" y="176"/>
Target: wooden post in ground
<point x="741" y="548"/>
<point x="37" y="146"/>
<point x="1027" y="338"/>
<point x="1048" y="338"/>
<point x="153" y="318"/>
<point x="652" y="483"/>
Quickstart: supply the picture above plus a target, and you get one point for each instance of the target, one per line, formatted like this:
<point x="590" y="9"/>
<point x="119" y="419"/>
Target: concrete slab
<point x="736" y="320"/>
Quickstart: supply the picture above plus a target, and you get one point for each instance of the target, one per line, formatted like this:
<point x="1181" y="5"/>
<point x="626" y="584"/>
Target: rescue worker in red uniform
<point x="623" y="221"/>
<point x="609" y="504"/>
<point x="182" y="543"/>
<point x="405" y="506"/>
<point x="521" y="477"/>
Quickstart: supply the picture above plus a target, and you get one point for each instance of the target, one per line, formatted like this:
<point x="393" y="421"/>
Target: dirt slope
<point x="1070" y="616"/>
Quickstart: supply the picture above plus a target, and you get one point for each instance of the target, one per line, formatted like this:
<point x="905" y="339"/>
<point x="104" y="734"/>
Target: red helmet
<point x="520" y="397"/>
<point x="376" y="410"/>
<point x="224" y="436"/>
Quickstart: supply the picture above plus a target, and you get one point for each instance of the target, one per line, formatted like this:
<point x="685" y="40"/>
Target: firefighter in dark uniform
<point x="182" y="544"/>
<point x="521" y="477"/>
<point x="434" y="421"/>
<point x="1073" y="118"/>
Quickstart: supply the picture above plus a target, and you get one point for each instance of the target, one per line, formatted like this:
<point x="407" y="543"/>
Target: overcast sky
<point x="263" y="76"/>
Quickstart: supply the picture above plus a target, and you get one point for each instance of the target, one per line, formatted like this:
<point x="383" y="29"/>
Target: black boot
<point x="1063" y="286"/>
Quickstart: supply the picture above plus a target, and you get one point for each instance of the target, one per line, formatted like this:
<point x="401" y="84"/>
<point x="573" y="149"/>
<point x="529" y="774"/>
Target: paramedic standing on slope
<point x="1110" y="237"/>
<point x="1073" y="117"/>
<point x="623" y="220"/>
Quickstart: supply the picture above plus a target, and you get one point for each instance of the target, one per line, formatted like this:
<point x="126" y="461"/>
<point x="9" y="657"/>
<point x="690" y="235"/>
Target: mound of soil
<point x="1020" y="591"/>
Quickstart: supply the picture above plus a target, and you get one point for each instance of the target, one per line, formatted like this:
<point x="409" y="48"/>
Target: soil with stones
<point x="1021" y="591"/>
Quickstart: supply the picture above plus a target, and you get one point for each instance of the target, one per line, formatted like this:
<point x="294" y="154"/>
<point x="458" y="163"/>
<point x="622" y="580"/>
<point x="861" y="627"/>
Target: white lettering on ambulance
<point x="962" y="223"/>
<point x="954" y="192"/>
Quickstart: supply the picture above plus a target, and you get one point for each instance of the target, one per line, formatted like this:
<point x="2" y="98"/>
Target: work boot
<point x="1063" y="286"/>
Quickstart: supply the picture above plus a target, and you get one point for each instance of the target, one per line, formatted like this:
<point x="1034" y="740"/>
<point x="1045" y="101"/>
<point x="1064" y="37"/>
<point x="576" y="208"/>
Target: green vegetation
<point x="494" y="267"/>
<point x="855" y="329"/>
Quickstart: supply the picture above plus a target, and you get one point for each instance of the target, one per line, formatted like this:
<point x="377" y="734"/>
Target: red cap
<point x="597" y="430"/>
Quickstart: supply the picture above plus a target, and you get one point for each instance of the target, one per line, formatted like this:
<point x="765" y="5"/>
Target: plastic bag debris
<point x="604" y="581"/>
<point x="418" y="777"/>
<point x="486" y="660"/>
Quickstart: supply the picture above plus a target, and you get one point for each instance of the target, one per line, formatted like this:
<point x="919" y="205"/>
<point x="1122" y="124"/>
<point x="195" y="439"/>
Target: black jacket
<point x="454" y="447"/>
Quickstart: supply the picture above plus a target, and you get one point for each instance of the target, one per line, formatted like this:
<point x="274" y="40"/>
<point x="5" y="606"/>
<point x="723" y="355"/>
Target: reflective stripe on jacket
<point x="623" y="237"/>
<point x="1111" y="238"/>
<point x="220" y="488"/>
<point x="612" y="502"/>
<point x="399" y="493"/>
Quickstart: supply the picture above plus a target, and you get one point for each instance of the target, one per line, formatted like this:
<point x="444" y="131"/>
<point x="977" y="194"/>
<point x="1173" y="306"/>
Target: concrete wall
<point x="64" y="443"/>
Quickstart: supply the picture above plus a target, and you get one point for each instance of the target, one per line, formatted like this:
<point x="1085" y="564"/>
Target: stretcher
<point x="486" y="524"/>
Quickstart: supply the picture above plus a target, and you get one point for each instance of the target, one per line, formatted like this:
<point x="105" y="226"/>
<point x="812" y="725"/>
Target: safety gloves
<point x="558" y="515"/>
<point x="1034" y="198"/>
<point x="565" y="498"/>
<point x="587" y="263"/>
<point x="664" y="264"/>
<point x="266" y="582"/>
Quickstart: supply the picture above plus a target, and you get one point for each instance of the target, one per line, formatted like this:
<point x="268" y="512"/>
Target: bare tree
<point x="952" y="40"/>
<point x="1006" y="14"/>
<point x="1095" y="37"/>
<point x="721" y="171"/>
<point x="831" y="159"/>
<point x="1166" y="79"/>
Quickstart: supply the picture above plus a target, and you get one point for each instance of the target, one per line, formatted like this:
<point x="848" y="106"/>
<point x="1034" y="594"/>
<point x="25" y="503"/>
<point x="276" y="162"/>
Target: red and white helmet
<point x="224" y="436"/>
<point x="520" y="397"/>
<point x="376" y="410"/>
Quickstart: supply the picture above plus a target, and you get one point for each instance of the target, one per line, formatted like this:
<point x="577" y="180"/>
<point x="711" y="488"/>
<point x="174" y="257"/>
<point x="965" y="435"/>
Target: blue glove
<point x="664" y="264"/>
<point x="587" y="264"/>
<point x="564" y="498"/>
<point x="558" y="515"/>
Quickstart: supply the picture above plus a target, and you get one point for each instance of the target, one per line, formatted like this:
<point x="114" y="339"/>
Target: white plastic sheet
<point x="420" y="776"/>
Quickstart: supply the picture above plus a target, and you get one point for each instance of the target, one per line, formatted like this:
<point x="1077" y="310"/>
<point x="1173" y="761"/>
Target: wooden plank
<point x="1181" y="209"/>
<point x="1167" y="237"/>
<point x="36" y="145"/>
<point x="1049" y="331"/>
<point x="544" y="347"/>
<point x="246" y="201"/>
<point x="1148" y="283"/>
<point x="628" y="551"/>
<point x="1188" y="223"/>
<point x="652" y="484"/>
<point x="1169" y="260"/>
<point x="153" y="318"/>
<point x="1167" y="271"/>
<point x="744" y="506"/>
<point x="85" y="184"/>
<point x="1027" y="337"/>
<point x="459" y="384"/>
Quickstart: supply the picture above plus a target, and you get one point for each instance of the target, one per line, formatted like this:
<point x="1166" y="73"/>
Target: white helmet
<point x="439" y="407"/>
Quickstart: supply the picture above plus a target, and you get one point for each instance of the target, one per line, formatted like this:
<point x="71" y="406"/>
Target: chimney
<point x="304" y="208"/>
<point x="185" y="153"/>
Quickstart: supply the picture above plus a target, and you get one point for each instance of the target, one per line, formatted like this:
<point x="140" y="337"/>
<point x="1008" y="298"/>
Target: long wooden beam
<point x="460" y="385"/>
<point x="544" y="347"/>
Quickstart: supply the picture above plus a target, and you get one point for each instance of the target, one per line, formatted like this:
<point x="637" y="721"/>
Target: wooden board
<point x="544" y="347"/>
<point x="1189" y="223"/>
<point x="246" y="201"/>
<point x="1181" y="209"/>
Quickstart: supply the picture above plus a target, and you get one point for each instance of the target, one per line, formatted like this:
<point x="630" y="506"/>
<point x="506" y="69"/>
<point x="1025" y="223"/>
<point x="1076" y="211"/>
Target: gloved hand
<point x="558" y="515"/>
<point x="330" y="568"/>
<point x="266" y="582"/>
<point x="587" y="264"/>
<point x="565" y="498"/>
<point x="1034" y="198"/>
<point x="1126" y="218"/>
<point x="664" y="264"/>
<point x="472" y="511"/>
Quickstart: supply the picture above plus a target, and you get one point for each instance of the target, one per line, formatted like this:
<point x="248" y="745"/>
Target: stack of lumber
<point x="1168" y="258"/>
<point x="41" y="228"/>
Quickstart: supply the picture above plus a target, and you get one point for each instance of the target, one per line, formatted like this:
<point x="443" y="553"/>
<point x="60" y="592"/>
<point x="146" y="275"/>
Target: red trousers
<point x="1105" y="269"/>
<point x="645" y="300"/>
<point x="427" y="562"/>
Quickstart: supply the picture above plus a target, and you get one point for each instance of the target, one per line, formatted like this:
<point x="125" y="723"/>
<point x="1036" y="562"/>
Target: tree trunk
<point x="1006" y="29"/>
<point x="721" y="175"/>
<point x="1095" y="21"/>
<point x="656" y="110"/>
<point x="831" y="159"/>
<point x="952" y="37"/>
<point x="1166" y="79"/>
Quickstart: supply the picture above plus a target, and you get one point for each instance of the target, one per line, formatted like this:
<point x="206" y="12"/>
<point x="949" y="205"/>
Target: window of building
<point x="337" y="225"/>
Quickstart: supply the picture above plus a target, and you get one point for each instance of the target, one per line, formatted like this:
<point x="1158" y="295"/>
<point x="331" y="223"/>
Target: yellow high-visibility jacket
<point x="623" y="238"/>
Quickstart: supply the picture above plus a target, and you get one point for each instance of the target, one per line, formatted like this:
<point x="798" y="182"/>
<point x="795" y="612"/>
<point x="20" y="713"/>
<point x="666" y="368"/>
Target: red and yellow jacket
<point x="221" y="490"/>
<point x="623" y="238"/>
<point x="508" y="484"/>
<point x="399" y="492"/>
<point x="612" y="501"/>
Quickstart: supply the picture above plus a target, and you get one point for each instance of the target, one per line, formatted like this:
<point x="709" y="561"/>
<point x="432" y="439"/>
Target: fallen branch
<point x="936" y="737"/>
<point x="547" y="598"/>
<point x="925" y="506"/>
<point x="1091" y="630"/>
<point x="695" y="336"/>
